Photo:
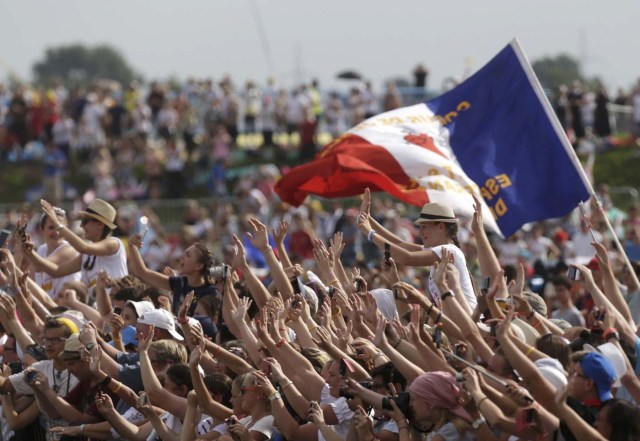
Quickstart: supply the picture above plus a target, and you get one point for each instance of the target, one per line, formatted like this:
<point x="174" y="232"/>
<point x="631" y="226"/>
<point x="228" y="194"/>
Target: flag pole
<point x="537" y="87"/>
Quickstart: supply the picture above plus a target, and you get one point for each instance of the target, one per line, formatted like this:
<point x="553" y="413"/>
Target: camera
<point x="231" y="421"/>
<point x="4" y="235"/>
<point x="357" y="285"/>
<point x="573" y="273"/>
<point x="295" y="303"/>
<point x="296" y="284"/>
<point x="16" y="367"/>
<point x="117" y="310"/>
<point x="331" y="291"/>
<point x="401" y="400"/>
<point x="387" y="254"/>
<point x="459" y="377"/>
<point x="30" y="376"/>
<point x="218" y="272"/>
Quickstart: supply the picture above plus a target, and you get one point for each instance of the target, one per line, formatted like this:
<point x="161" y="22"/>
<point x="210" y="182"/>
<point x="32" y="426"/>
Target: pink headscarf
<point x="440" y="390"/>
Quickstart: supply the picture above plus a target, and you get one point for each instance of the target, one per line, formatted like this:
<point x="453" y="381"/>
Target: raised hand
<point x="196" y="354"/>
<point x="136" y="240"/>
<point x="315" y="415"/>
<point x="365" y="205"/>
<point x="184" y="308"/>
<point x="144" y="341"/>
<point x="239" y="259"/>
<point x="337" y="245"/>
<point x="476" y="223"/>
<point x="258" y="235"/>
<point x="241" y="310"/>
<point x="280" y="233"/>
<point x="49" y="210"/>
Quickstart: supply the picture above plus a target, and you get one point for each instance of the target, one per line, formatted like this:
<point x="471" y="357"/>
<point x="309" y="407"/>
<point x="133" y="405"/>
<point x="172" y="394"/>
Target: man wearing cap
<point x="590" y="384"/>
<point x="98" y="251"/>
<point x="438" y="229"/>
<point x="566" y="309"/>
<point x="78" y="405"/>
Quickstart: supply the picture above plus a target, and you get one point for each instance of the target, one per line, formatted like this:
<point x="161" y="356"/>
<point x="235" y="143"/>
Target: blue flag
<point x="507" y="139"/>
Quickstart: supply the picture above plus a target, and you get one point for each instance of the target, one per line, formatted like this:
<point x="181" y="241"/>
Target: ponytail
<point x="452" y="231"/>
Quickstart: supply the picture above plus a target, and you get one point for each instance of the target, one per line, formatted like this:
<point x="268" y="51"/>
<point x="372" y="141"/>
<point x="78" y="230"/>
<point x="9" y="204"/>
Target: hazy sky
<point x="381" y="39"/>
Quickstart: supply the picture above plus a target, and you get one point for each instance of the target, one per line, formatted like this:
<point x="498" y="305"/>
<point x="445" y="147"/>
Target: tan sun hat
<point x="101" y="211"/>
<point x="436" y="212"/>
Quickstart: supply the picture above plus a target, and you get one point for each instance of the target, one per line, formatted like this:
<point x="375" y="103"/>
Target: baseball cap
<point x="72" y="348"/>
<point x="615" y="357"/>
<point x="601" y="372"/>
<point x="552" y="371"/>
<point x="163" y="319"/>
<point x="141" y="307"/>
<point x="129" y="335"/>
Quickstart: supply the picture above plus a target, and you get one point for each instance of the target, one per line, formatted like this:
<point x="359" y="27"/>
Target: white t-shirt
<point x="341" y="410"/>
<point x="465" y="281"/>
<point x="171" y="421"/>
<point x="53" y="284"/>
<point x="115" y="265"/>
<point x="62" y="382"/>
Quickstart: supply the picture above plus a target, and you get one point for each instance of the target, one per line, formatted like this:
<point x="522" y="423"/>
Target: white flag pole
<point x="537" y="87"/>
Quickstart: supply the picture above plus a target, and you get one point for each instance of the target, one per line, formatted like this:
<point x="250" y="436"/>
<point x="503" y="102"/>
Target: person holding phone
<point x="98" y="251"/>
<point x="56" y="250"/>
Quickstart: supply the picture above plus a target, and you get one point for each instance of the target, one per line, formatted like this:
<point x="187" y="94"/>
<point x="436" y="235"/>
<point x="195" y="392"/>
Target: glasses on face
<point x="52" y="340"/>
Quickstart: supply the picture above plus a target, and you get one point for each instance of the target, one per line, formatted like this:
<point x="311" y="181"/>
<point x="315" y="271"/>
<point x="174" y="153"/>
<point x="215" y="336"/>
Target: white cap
<point x="552" y="371"/>
<point x="141" y="307"/>
<point x="163" y="319"/>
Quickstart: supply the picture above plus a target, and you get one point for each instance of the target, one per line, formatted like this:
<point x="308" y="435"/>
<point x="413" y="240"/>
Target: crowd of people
<point x="354" y="323"/>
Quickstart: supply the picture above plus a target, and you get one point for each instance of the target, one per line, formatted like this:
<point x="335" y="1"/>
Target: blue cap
<point x="129" y="335"/>
<point x="601" y="372"/>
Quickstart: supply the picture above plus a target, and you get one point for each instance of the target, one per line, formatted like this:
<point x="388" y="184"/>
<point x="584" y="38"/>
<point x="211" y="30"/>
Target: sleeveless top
<point x="48" y="283"/>
<point x="115" y="265"/>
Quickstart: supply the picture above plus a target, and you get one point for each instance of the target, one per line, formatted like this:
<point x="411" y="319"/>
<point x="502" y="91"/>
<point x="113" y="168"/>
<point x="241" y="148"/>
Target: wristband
<point x="370" y="235"/>
<point x="280" y="343"/>
<point x="289" y="383"/>
<point x="611" y="333"/>
<point x="430" y="309"/>
<point x="397" y="344"/>
<point x="217" y="352"/>
<point x="105" y="382"/>
<point x="529" y="351"/>
<point x="446" y="295"/>
<point x="117" y="388"/>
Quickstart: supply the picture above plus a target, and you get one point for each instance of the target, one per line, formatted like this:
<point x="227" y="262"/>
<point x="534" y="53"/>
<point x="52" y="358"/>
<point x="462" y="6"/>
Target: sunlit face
<point x="188" y="263"/>
<point x="50" y="231"/>
<point x="431" y="233"/>
<point x="53" y="341"/>
<point x="562" y="293"/>
<point x="129" y="316"/>
<point x="331" y="374"/>
<point x="251" y="393"/>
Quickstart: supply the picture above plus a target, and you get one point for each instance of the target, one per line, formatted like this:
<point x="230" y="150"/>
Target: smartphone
<point x="492" y="332"/>
<point x="396" y="293"/>
<point x="486" y="283"/>
<point x="295" y="283"/>
<point x="31" y="376"/>
<point x="117" y="310"/>
<point x="16" y="367"/>
<point x="358" y="285"/>
<point x="295" y="303"/>
<point x="331" y="292"/>
<point x="387" y="254"/>
<point x="143" y="399"/>
<point x="599" y="315"/>
<point x="459" y="377"/>
<point x="231" y="421"/>
<point x="529" y="415"/>
<point x="573" y="273"/>
<point x="4" y="235"/>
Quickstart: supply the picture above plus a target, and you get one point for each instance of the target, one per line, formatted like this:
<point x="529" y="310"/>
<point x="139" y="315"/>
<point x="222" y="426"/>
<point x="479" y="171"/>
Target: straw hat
<point x="436" y="212"/>
<point x="101" y="211"/>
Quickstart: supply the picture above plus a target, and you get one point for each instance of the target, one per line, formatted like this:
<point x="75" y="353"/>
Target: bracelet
<point x="611" y="333"/>
<point x="117" y="340"/>
<point x="333" y="281"/>
<point x="280" y="343"/>
<point x="481" y="401"/>
<point x="81" y="429"/>
<point x="529" y="351"/>
<point x="312" y="330"/>
<point x="105" y="381"/>
<point x="397" y="344"/>
<point x="446" y="295"/>
<point x="370" y="235"/>
<point x="117" y="388"/>
<point x="430" y="309"/>
<point x="217" y="352"/>
<point x="289" y="383"/>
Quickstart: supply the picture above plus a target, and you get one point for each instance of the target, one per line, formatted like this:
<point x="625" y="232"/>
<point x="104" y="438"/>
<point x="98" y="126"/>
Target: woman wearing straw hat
<point x="98" y="250"/>
<point x="438" y="227"/>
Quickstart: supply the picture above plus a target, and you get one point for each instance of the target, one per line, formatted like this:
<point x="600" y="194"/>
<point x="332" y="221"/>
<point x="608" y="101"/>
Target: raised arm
<point x="170" y="402"/>
<point x="257" y="289"/>
<point x="489" y="264"/>
<point x="159" y="280"/>
<point x="611" y="289"/>
<point x="278" y="236"/>
<point x="210" y="407"/>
